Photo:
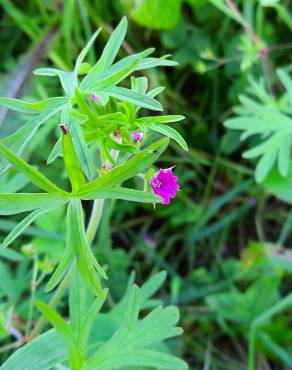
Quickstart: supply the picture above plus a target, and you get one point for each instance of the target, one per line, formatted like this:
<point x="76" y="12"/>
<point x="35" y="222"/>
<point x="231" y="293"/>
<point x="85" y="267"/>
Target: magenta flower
<point x="137" y="136"/>
<point x="94" y="97"/>
<point x="165" y="185"/>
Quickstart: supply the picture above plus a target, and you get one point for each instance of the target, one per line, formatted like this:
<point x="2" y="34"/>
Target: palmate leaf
<point x="49" y="350"/>
<point x="129" y="346"/>
<point x="274" y="128"/>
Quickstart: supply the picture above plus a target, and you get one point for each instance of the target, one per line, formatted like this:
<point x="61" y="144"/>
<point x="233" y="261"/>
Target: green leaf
<point x="24" y="223"/>
<point x="56" y="151"/>
<point x="21" y="138"/>
<point x="84" y="52"/>
<point x="225" y="9"/>
<point x="113" y="75"/>
<point x="82" y="150"/>
<point x="133" y="97"/>
<point x="156" y="14"/>
<point x="159" y="119"/>
<point x="83" y="310"/>
<point x="87" y="265"/>
<point x="120" y="193"/>
<point x="138" y="164"/>
<point x="129" y="346"/>
<point x="170" y="132"/>
<point x="11" y="204"/>
<point x="155" y="62"/>
<point x="64" y="330"/>
<point x="72" y="164"/>
<point x="67" y="79"/>
<point x="32" y="108"/>
<point x="287" y="82"/>
<point x="280" y="186"/>
<point x="109" y="52"/>
<point x="31" y="173"/>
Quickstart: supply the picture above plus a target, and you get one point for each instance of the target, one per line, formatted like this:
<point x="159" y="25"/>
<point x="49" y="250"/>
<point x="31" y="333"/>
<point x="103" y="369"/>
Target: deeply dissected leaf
<point x="274" y="128"/>
<point x="48" y="350"/>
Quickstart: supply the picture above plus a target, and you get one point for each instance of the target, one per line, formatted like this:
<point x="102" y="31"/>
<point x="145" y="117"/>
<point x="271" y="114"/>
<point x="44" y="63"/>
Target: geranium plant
<point x="104" y="141"/>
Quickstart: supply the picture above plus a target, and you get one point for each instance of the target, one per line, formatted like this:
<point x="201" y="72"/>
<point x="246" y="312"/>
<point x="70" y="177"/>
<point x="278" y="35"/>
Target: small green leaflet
<point x="170" y="132"/>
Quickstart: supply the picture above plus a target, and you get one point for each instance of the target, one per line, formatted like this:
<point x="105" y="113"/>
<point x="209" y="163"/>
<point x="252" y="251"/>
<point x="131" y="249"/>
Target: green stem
<point x="33" y="284"/>
<point x="90" y="233"/>
<point x="94" y="219"/>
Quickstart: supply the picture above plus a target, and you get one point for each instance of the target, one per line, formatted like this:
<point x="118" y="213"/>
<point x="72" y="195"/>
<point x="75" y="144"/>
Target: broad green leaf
<point x="156" y="14"/>
<point x="129" y="346"/>
<point x="24" y="223"/>
<point x="48" y="350"/>
<point x="109" y="52"/>
<point x="120" y="193"/>
<point x="11" y="204"/>
<point x="159" y="119"/>
<point x="133" y="97"/>
<point x="170" y="132"/>
<point x="31" y="173"/>
<point x="67" y="79"/>
<point x="32" y="108"/>
<point x="279" y="186"/>
<point x="137" y="164"/>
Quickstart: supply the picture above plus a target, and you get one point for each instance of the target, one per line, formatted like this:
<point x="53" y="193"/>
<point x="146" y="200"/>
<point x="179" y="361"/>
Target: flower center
<point x="157" y="183"/>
